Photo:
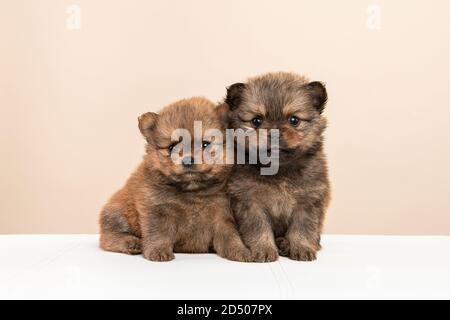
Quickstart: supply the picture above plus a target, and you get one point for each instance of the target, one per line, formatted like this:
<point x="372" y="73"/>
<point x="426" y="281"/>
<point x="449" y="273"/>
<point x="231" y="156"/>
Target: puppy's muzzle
<point x="188" y="162"/>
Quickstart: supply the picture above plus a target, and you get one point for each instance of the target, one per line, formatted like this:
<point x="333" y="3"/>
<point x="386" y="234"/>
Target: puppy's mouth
<point x="194" y="172"/>
<point x="195" y="179"/>
<point x="195" y="169"/>
<point x="287" y="151"/>
<point x="280" y="151"/>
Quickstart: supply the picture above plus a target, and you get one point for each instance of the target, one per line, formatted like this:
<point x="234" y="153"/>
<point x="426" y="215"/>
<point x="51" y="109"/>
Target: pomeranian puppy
<point x="281" y="213"/>
<point x="168" y="206"/>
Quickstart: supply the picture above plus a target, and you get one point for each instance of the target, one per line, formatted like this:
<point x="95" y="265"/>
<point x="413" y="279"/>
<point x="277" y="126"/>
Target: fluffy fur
<point x="282" y="213"/>
<point x="165" y="207"/>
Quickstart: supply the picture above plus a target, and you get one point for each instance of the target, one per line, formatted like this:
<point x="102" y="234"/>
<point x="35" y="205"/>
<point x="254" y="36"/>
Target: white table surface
<point x="73" y="267"/>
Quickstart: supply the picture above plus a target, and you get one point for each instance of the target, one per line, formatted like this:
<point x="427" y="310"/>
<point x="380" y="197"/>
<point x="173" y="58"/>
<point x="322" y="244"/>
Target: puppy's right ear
<point x="318" y="94"/>
<point x="147" y="123"/>
<point x="223" y="111"/>
<point x="234" y="95"/>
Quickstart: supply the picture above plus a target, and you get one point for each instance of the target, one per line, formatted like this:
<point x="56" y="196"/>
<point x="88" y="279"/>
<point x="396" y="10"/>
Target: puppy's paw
<point x="283" y="246"/>
<point x="302" y="253"/>
<point x="264" y="254"/>
<point x="132" y="245"/>
<point x="159" y="254"/>
<point x="239" y="254"/>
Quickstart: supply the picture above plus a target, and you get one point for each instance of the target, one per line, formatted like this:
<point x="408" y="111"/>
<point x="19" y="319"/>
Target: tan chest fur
<point x="195" y="230"/>
<point x="277" y="200"/>
<point x="195" y="224"/>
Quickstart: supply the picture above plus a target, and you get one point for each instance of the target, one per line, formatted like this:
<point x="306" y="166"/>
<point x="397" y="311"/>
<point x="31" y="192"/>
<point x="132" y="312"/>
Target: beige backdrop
<point x="69" y="99"/>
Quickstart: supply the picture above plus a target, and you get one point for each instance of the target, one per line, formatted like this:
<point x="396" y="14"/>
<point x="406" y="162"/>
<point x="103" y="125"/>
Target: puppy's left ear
<point x="234" y="95"/>
<point x="318" y="94"/>
<point x="147" y="122"/>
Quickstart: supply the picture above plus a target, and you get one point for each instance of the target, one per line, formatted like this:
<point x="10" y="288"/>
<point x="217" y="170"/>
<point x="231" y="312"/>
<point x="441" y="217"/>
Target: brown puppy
<point x="286" y="209"/>
<point x="167" y="207"/>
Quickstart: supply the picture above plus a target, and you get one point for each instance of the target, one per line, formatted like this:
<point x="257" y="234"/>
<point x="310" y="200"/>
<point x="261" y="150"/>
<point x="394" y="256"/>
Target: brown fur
<point x="282" y="213"/>
<point x="166" y="208"/>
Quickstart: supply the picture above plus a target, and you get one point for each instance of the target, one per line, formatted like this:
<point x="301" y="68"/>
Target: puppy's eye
<point x="205" y="144"/>
<point x="293" y="120"/>
<point x="256" y="122"/>
<point x="171" y="147"/>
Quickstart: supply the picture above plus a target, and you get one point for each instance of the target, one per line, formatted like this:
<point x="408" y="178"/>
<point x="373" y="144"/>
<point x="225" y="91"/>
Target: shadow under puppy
<point x="167" y="207"/>
<point x="281" y="213"/>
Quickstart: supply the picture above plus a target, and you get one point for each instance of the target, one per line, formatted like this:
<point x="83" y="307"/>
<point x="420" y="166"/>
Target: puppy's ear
<point x="318" y="94"/>
<point x="223" y="111"/>
<point x="234" y="95"/>
<point x="147" y="123"/>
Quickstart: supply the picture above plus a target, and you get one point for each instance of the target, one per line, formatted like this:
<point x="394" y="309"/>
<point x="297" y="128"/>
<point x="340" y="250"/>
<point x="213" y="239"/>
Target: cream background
<point x="69" y="100"/>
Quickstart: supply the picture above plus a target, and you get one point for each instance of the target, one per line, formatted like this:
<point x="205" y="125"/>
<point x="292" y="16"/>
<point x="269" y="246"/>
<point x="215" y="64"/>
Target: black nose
<point x="187" y="162"/>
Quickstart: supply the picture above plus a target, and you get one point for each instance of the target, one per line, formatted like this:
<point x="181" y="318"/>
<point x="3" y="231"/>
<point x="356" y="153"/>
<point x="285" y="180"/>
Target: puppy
<point x="281" y="213"/>
<point x="168" y="207"/>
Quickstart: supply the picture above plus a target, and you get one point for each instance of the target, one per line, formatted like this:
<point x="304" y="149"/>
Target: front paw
<point x="239" y="254"/>
<point x="264" y="254"/>
<point x="302" y="253"/>
<point x="159" y="254"/>
<point x="133" y="246"/>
